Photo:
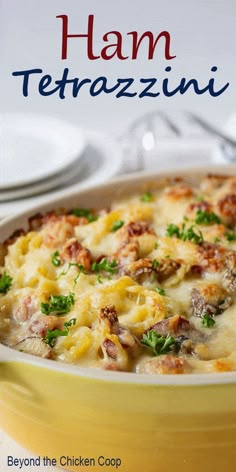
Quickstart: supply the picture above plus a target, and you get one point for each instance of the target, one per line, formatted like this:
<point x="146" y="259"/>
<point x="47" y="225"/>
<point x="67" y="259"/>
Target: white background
<point x="203" y="34"/>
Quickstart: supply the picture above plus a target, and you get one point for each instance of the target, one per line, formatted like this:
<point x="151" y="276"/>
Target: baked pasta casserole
<point x="147" y="285"/>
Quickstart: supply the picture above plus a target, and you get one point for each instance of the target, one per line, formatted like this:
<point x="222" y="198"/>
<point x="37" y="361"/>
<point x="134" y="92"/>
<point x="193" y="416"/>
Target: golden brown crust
<point x="180" y="191"/>
<point x="73" y="251"/>
<point x="227" y="208"/>
<point x="211" y="256"/>
<point x="166" y="364"/>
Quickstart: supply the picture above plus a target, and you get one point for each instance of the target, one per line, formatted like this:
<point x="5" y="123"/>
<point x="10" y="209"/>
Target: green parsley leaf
<point x="110" y="267"/>
<point x="58" y="304"/>
<point x="55" y="258"/>
<point x="70" y="323"/>
<point x="99" y="279"/>
<point x="185" y="234"/>
<point x="191" y="235"/>
<point x="52" y="334"/>
<point x="206" y="218"/>
<point x="216" y="240"/>
<point x="173" y="230"/>
<point x="80" y="267"/>
<point x="5" y="282"/>
<point x="146" y="197"/>
<point x="156" y="245"/>
<point x="161" y="291"/>
<point x="230" y="236"/>
<point x="158" y="343"/>
<point x="207" y="321"/>
<point x="155" y="263"/>
<point x="117" y="225"/>
<point x="84" y="212"/>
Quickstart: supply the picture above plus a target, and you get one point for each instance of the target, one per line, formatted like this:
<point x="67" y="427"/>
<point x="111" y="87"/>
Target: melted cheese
<point x="92" y="340"/>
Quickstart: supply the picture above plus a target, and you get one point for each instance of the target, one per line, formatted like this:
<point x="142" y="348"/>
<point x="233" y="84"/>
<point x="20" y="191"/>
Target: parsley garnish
<point x="146" y="197"/>
<point x="191" y="235"/>
<point x="186" y="234"/>
<point x="80" y="267"/>
<point x="5" y="282"/>
<point x="230" y="236"/>
<point x="117" y="225"/>
<point x="84" y="212"/>
<point x="155" y="264"/>
<point x="55" y="258"/>
<point x="207" y="321"/>
<point x="52" y="334"/>
<point x="58" y="304"/>
<point x="161" y="291"/>
<point x="216" y="240"/>
<point x="206" y="218"/>
<point x="70" y="323"/>
<point x="158" y="343"/>
<point x="173" y="230"/>
<point x="110" y="267"/>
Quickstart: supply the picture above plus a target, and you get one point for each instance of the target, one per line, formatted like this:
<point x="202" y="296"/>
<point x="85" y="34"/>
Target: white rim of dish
<point x="74" y="139"/>
<point x="8" y="354"/>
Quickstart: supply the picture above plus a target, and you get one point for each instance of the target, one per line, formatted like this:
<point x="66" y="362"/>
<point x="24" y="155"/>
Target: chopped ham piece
<point x="42" y="323"/>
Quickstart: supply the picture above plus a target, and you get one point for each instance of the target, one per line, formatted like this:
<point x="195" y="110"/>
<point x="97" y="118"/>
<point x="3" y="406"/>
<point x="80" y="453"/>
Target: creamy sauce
<point x="157" y="275"/>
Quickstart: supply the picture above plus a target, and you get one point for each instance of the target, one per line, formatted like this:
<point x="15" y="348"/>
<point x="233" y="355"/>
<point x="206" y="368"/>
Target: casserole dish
<point x="116" y="420"/>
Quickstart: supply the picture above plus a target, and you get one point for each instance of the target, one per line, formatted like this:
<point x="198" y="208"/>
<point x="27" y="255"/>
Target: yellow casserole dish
<point x="116" y="420"/>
